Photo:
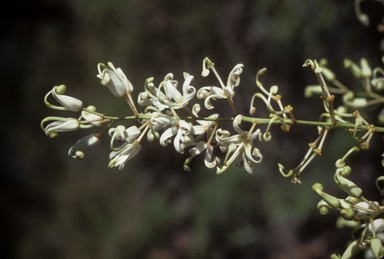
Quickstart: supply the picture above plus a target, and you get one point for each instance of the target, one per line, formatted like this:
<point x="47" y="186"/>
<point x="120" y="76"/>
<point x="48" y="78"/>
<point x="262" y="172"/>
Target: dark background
<point x="53" y="206"/>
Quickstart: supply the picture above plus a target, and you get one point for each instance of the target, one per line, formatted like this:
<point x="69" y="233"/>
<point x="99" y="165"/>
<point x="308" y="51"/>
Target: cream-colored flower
<point x="67" y="102"/>
<point x="213" y="92"/>
<point x="93" y="119"/>
<point x="124" y="153"/>
<point x="60" y="124"/>
<point x="114" y="79"/>
<point x="178" y="128"/>
<point x="210" y="92"/>
<point x="122" y="134"/>
<point x="241" y="147"/>
<point x="209" y="160"/>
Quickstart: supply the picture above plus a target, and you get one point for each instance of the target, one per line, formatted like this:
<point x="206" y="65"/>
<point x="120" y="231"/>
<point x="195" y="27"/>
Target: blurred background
<point x="53" y="206"/>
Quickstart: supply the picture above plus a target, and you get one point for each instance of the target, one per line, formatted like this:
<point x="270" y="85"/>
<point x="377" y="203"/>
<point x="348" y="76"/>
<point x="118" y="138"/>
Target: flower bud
<point x="341" y="223"/>
<point x="353" y="249"/>
<point x="355" y="69"/>
<point x="312" y="89"/>
<point x="68" y="102"/>
<point x="377" y="247"/>
<point x="365" y="69"/>
<point x="380" y="118"/>
<point x="328" y="74"/>
<point x="61" y="125"/>
<point x="331" y="200"/>
<point x="114" y="79"/>
<point x="323" y="210"/>
<point x="347" y="214"/>
<point x="335" y="256"/>
<point x="348" y="186"/>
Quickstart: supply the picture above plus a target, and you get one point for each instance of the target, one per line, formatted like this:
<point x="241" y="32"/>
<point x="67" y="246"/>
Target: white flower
<point x="120" y="133"/>
<point x="205" y="126"/>
<point x="152" y="94"/>
<point x="84" y="144"/>
<point x="234" y="78"/>
<point x="180" y="100"/>
<point x="124" y="153"/>
<point x="174" y="127"/>
<point x="68" y="102"/>
<point x="131" y="146"/>
<point x="209" y="161"/>
<point x="171" y="97"/>
<point x="361" y="208"/>
<point x="114" y="79"/>
<point x="179" y="129"/>
<point x="60" y="125"/>
<point x="241" y="146"/>
<point x="93" y="119"/>
<point x="210" y="92"/>
<point x="213" y="92"/>
<point x="378" y="224"/>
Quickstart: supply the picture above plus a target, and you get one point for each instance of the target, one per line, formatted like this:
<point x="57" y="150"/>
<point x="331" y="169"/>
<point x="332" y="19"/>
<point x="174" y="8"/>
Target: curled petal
<point x="236" y="123"/>
<point x="234" y="75"/>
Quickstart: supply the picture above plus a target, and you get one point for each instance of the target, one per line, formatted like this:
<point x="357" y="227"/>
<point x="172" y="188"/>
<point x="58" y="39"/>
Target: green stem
<point x="330" y="125"/>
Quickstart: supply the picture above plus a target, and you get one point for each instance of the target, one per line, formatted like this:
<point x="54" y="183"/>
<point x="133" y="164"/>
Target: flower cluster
<point x="372" y="82"/>
<point x="356" y="212"/>
<point x="171" y="116"/>
<point x="345" y="112"/>
<point x="161" y="119"/>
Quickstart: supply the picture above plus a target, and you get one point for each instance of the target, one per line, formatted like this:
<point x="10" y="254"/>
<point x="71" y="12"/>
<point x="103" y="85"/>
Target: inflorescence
<point x="161" y="121"/>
